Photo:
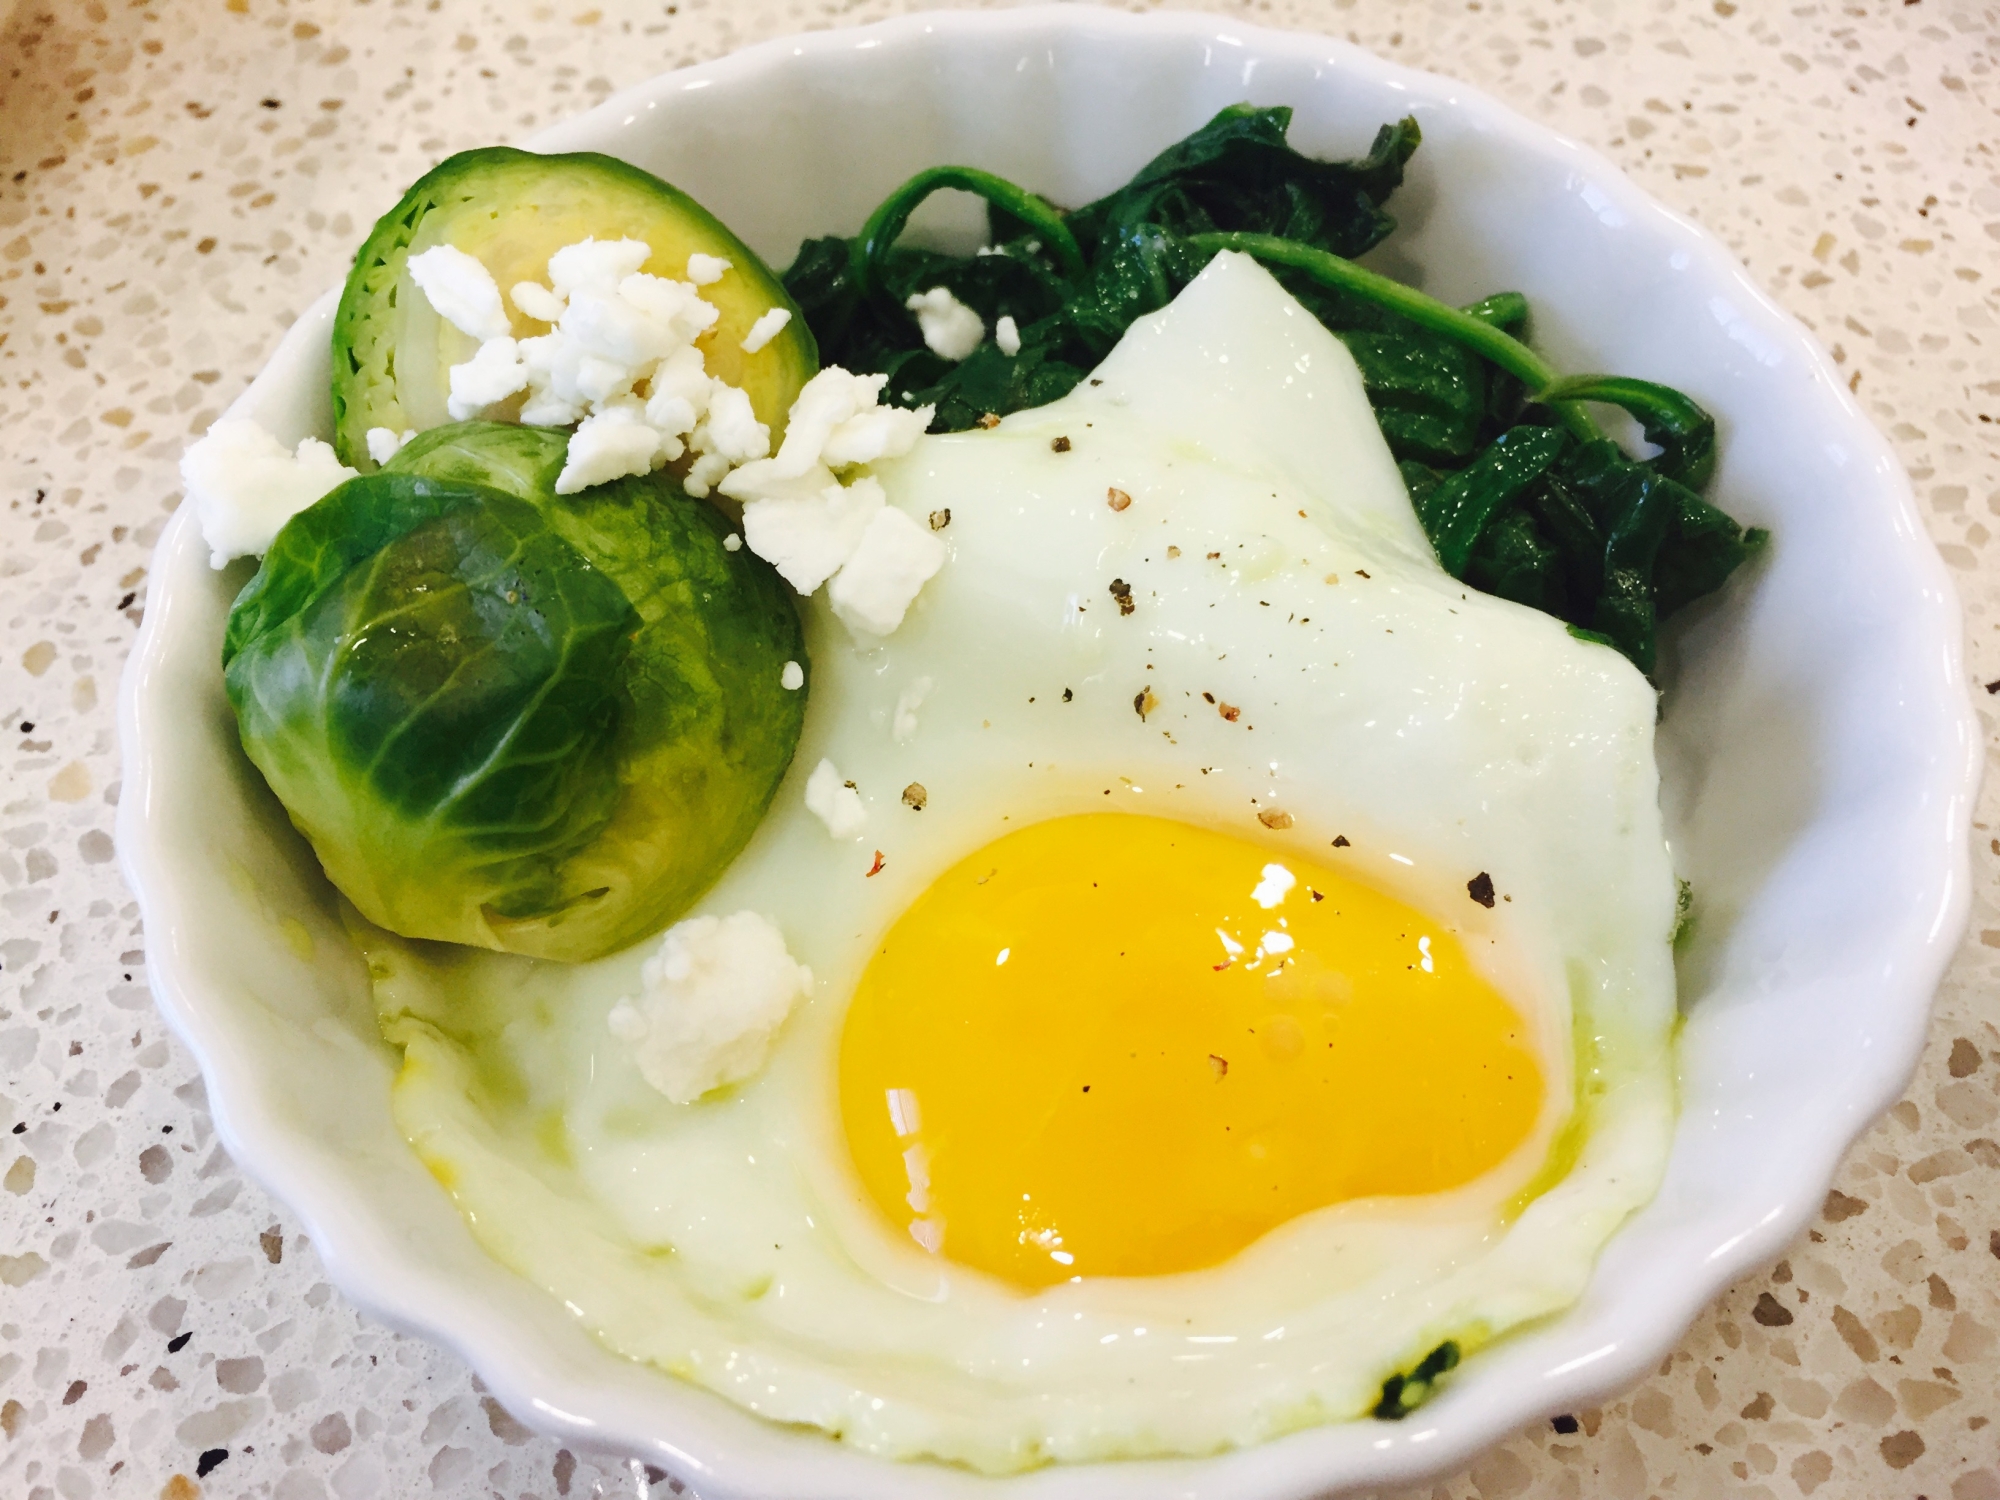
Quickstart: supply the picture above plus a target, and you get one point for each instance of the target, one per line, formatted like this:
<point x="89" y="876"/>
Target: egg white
<point x="1442" y="732"/>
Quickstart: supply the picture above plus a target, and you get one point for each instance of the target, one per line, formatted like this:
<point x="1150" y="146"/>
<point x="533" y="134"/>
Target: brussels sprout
<point x="503" y="718"/>
<point x="522" y="461"/>
<point x="511" y="210"/>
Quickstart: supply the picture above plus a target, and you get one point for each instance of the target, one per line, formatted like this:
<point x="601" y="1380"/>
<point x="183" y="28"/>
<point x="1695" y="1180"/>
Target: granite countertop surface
<point x="177" y="181"/>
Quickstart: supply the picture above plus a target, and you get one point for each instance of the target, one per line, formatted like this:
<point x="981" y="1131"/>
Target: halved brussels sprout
<point x="511" y="720"/>
<point x="511" y="210"/>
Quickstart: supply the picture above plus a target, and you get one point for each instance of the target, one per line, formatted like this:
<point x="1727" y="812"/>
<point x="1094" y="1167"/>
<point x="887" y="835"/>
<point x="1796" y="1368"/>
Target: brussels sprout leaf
<point x="315" y="548"/>
<point x="441" y="710"/>
<point x="505" y="456"/>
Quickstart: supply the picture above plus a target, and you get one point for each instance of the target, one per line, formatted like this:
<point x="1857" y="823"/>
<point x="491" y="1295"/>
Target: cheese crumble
<point x="710" y="1002"/>
<point x="462" y="291"/>
<point x="951" y="329"/>
<point x="384" y="444"/>
<point x="812" y="524"/>
<point x="621" y="362"/>
<point x="245" y="485"/>
<point x="895" y="557"/>
<point x="835" y="802"/>
<point x="765" y="329"/>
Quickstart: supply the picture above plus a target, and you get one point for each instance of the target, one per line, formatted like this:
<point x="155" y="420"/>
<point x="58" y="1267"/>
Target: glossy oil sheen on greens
<point x="509" y="719"/>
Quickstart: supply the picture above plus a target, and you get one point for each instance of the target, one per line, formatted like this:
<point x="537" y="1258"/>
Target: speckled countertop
<point x="177" y="180"/>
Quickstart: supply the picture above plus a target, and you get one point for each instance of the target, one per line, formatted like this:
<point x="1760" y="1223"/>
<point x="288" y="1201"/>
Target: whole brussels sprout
<point x="506" y="718"/>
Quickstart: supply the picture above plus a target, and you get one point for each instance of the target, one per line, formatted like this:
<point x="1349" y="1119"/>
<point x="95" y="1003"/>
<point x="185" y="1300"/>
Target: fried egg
<point x="1248" y="970"/>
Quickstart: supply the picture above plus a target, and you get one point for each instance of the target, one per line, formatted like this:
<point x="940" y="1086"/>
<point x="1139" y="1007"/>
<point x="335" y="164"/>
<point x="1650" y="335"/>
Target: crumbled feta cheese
<point x="674" y="313"/>
<point x="907" y="703"/>
<point x="894" y="559"/>
<point x="876" y="432"/>
<point x="1007" y="334"/>
<point x="612" y="328"/>
<point x="245" y="485"/>
<point x="678" y="396"/>
<point x="595" y="265"/>
<point x="731" y="429"/>
<point x="831" y="397"/>
<point x="798" y="516"/>
<point x="765" y="329"/>
<point x="732" y="543"/>
<point x="606" y="341"/>
<point x="545" y="407"/>
<point x="494" y="373"/>
<point x="620" y="360"/>
<point x="702" y="476"/>
<point x="754" y="481"/>
<point x="711" y="999"/>
<point x="835" y="802"/>
<point x="462" y="290"/>
<point x="808" y="539"/>
<point x="537" y="301"/>
<point x="590" y="355"/>
<point x="792" y="678"/>
<point x="609" y="444"/>
<point x="834" y="422"/>
<point x="384" y="444"/>
<point x="951" y="329"/>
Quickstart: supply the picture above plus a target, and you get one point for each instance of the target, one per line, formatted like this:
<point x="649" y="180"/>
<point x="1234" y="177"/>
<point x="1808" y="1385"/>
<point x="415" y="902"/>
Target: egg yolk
<point x="1113" y="1045"/>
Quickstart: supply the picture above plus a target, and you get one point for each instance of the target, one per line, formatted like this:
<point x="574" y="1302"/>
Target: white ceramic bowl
<point x="1818" y="755"/>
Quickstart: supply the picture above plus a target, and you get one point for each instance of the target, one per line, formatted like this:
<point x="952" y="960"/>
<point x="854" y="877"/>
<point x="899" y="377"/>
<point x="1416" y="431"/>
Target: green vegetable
<point x="522" y="461"/>
<point x="1605" y="542"/>
<point x="1403" y="1394"/>
<point x="1073" y="284"/>
<point x="506" y="719"/>
<point x="512" y="210"/>
<point x="1239" y="173"/>
<point x="1517" y="488"/>
<point x="1683" y="432"/>
<point x="886" y="224"/>
<point x="1504" y="310"/>
<point x="1429" y="394"/>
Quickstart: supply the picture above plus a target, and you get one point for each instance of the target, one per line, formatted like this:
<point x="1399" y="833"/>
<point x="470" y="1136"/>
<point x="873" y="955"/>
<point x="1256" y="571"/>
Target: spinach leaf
<point x="1681" y="430"/>
<point x="822" y="282"/>
<point x="1140" y="270"/>
<point x="1515" y="560"/>
<point x="1701" y="549"/>
<point x="1239" y="173"/>
<point x="1458" y="510"/>
<point x="1429" y="393"/>
<point x="1405" y="1391"/>
<point x="1608" y="543"/>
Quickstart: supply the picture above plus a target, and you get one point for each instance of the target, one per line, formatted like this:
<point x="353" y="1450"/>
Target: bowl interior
<point x="1816" y="751"/>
